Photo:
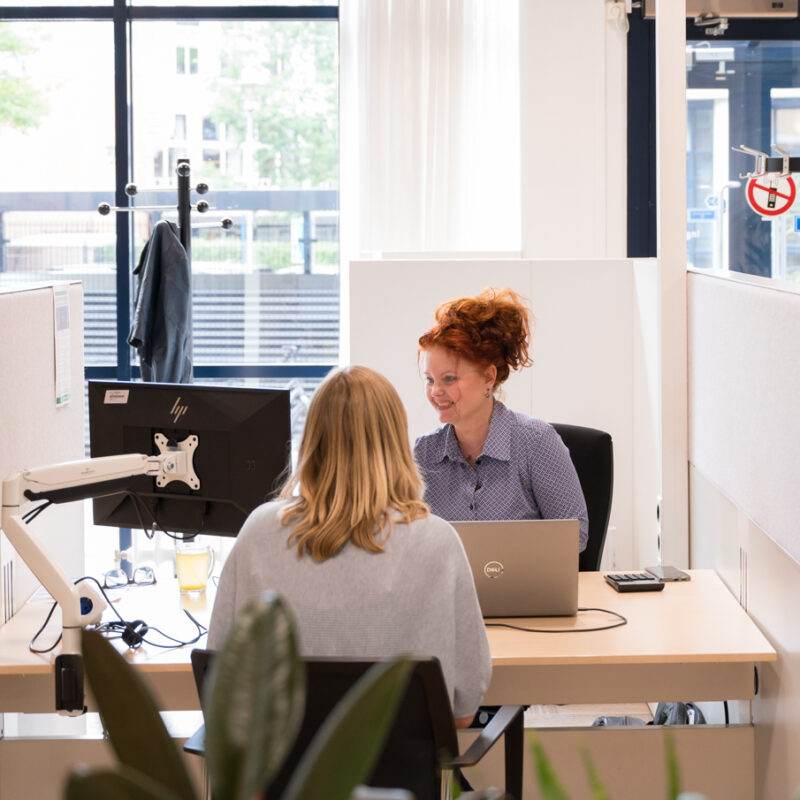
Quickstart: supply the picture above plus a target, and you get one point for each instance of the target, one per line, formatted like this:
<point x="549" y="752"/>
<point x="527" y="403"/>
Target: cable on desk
<point x="620" y="621"/>
<point x="132" y="632"/>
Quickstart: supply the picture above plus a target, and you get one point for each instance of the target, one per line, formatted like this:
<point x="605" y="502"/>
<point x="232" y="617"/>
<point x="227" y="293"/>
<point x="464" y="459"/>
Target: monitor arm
<point x="75" y="480"/>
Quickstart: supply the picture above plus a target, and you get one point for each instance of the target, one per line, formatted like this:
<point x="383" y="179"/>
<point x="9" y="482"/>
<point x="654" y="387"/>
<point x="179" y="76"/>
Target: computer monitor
<point x="243" y="452"/>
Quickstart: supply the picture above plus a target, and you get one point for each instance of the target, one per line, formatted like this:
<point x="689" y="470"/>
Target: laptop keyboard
<point x="633" y="582"/>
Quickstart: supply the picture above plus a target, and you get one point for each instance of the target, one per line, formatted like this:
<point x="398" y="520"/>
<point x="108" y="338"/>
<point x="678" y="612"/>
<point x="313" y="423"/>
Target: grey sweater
<point x="416" y="598"/>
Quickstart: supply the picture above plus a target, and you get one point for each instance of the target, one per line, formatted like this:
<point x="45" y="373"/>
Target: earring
<point x="488" y="393"/>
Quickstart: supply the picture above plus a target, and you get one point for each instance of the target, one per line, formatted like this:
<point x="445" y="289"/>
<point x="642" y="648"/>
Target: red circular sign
<point x="771" y="195"/>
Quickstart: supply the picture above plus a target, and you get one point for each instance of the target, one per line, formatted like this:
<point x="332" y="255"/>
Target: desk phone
<point x="633" y="582"/>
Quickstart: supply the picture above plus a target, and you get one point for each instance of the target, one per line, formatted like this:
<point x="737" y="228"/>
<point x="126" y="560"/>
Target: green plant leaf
<point x="548" y="782"/>
<point x="121" y="784"/>
<point x="673" y="772"/>
<point x="343" y="752"/>
<point x="254" y="699"/>
<point x="595" y="784"/>
<point x="129" y="714"/>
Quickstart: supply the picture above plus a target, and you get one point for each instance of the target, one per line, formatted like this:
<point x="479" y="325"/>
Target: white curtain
<point x="429" y="126"/>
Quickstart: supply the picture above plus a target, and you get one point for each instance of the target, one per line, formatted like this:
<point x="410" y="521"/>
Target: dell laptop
<point x="524" y="568"/>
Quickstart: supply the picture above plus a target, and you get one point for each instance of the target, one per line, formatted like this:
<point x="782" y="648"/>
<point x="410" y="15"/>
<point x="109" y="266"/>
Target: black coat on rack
<point x="161" y="329"/>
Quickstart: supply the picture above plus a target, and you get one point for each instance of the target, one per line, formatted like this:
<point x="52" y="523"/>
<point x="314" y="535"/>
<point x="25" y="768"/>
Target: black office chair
<point x="420" y="754"/>
<point x="592" y="453"/>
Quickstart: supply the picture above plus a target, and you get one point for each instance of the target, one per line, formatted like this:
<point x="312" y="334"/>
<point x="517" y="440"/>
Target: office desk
<point x="691" y="641"/>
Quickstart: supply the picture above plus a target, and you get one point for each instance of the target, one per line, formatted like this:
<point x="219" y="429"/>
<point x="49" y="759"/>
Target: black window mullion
<point x="122" y="143"/>
<point x="282" y="13"/>
<point x="641" y="179"/>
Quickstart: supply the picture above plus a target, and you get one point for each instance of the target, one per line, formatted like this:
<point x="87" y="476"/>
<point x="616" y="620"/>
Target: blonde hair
<point x="354" y="467"/>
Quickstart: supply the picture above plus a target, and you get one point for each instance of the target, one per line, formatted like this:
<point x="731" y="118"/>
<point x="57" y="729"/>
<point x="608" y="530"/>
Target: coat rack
<point x="783" y="165"/>
<point x="184" y="206"/>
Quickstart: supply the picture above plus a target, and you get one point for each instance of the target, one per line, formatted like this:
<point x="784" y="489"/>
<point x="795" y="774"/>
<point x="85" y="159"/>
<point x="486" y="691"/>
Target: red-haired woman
<point x="487" y="462"/>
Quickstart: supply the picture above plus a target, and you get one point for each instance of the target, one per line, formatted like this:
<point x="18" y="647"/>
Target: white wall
<point x="573" y="124"/>
<point x="589" y="349"/>
<point x="744" y="478"/>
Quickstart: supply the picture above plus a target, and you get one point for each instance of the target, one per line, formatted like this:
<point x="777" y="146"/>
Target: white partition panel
<point x="585" y="359"/>
<point x="745" y="386"/>
<point x="392" y="304"/>
<point x="34" y="431"/>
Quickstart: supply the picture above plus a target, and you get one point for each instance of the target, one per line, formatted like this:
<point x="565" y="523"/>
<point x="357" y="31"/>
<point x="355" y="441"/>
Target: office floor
<point x="582" y="714"/>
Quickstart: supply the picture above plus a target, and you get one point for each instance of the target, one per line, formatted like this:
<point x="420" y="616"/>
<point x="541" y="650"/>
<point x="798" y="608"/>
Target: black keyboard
<point x="633" y="582"/>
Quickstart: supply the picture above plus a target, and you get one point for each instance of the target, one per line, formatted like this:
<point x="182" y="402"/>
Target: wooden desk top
<point x="698" y="621"/>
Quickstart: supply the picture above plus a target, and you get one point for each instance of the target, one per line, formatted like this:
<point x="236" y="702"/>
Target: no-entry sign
<point x="771" y="195"/>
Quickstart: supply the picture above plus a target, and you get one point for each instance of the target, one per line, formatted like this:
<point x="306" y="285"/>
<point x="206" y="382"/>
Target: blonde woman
<point x="367" y="570"/>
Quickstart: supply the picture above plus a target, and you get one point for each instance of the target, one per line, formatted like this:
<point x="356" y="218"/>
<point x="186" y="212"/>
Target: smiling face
<point x="457" y="388"/>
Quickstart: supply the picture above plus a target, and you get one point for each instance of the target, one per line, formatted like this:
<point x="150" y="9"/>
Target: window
<point x="743" y="91"/>
<point x="743" y="88"/>
<point x="210" y="129"/>
<point x="262" y="313"/>
<point x="180" y="127"/>
<point x="211" y="158"/>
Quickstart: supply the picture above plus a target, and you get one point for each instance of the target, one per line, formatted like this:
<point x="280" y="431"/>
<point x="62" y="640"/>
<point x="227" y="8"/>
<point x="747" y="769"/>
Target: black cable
<point x="140" y="505"/>
<point x="622" y="621"/>
<point x="39" y="632"/>
<point x="31" y="515"/>
<point x="133" y="633"/>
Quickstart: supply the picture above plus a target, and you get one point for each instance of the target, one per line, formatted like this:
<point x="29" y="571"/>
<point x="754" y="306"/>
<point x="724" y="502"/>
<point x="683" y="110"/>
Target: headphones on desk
<point x="134" y="632"/>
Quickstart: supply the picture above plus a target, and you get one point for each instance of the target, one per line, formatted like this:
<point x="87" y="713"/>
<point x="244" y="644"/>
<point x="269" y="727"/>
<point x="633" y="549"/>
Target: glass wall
<point x="57" y="151"/>
<point x="254" y="106"/>
<point x="741" y="92"/>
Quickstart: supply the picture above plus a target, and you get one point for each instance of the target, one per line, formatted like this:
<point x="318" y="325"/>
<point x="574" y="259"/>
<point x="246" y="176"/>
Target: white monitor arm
<point x="74" y="480"/>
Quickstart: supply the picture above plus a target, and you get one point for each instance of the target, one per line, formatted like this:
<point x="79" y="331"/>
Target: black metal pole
<point x="185" y="206"/>
<point x="185" y="228"/>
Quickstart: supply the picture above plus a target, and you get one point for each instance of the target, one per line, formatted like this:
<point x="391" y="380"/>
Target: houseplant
<point x="254" y="708"/>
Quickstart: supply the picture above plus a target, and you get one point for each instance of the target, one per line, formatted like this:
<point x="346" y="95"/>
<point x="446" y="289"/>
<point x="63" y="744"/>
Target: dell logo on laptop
<point x="494" y="569"/>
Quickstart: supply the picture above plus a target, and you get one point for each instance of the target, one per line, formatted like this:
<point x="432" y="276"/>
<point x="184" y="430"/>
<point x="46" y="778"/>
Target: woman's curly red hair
<point x="492" y="328"/>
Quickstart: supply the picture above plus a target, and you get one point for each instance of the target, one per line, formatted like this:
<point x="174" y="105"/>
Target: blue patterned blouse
<point x="524" y="472"/>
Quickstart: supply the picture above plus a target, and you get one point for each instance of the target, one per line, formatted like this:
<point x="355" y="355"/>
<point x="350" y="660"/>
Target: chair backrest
<point x="592" y="453"/>
<point x="423" y="732"/>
